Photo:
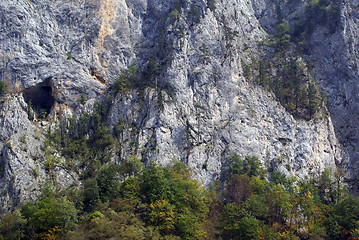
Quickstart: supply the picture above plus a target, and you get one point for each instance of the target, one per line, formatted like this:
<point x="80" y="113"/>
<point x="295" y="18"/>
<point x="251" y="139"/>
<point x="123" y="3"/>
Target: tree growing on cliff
<point x="2" y="88"/>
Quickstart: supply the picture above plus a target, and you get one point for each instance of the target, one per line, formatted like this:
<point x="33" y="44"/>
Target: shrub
<point x="12" y="226"/>
<point x="49" y="213"/>
<point x="90" y="194"/>
<point x="283" y="36"/>
<point x="108" y="182"/>
<point x="126" y="80"/>
<point x="251" y="166"/>
<point x="194" y="14"/>
<point x="212" y="5"/>
<point x="2" y="88"/>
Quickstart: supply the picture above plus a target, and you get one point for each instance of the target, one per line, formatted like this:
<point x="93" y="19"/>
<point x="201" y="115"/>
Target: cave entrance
<point x="40" y="98"/>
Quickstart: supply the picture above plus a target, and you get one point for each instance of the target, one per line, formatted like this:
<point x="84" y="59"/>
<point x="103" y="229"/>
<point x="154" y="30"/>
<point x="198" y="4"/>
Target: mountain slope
<point x="182" y="89"/>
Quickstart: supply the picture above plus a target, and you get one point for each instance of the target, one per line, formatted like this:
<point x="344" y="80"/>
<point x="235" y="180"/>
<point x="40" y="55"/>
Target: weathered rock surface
<point x="200" y="109"/>
<point x="26" y="163"/>
<point x="334" y="55"/>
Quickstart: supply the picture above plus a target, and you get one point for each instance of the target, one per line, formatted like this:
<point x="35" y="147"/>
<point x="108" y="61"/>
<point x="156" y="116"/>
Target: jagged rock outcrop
<point x="334" y="56"/>
<point x="200" y="108"/>
<point x="26" y="162"/>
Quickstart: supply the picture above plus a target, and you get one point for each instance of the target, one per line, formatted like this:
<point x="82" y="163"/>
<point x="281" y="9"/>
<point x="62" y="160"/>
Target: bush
<point x="2" y="88"/>
<point x="283" y="36"/>
<point x="12" y="226"/>
<point x="168" y="189"/>
<point x="212" y="5"/>
<point x="194" y="14"/>
<point x="49" y="214"/>
<point x="90" y="194"/>
<point x="251" y="166"/>
<point x="108" y="182"/>
<point x="131" y="166"/>
<point x="126" y="80"/>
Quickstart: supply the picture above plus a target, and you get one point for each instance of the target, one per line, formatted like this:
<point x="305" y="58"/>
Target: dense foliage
<point x="288" y="77"/>
<point x="83" y="141"/>
<point x="290" y="80"/>
<point x="128" y="201"/>
<point x="284" y="70"/>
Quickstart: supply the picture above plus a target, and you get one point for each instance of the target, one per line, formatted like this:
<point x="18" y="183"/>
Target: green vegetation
<point x="83" y="98"/>
<point x="49" y="217"/>
<point x="128" y="201"/>
<point x="284" y="209"/>
<point x="283" y="36"/>
<point x="229" y="35"/>
<point x="68" y="55"/>
<point x="2" y="168"/>
<point x="152" y="70"/>
<point x="43" y="113"/>
<point x="291" y="82"/>
<point x="84" y="141"/>
<point x="194" y="14"/>
<point x="290" y="78"/>
<point x="2" y="87"/>
<point x="204" y="53"/>
<point x="133" y="79"/>
<point x="211" y="4"/>
<point x="317" y="13"/>
<point x="126" y="80"/>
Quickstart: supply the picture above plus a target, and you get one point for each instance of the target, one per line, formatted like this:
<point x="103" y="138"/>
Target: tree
<point x="125" y="80"/>
<point x="283" y="36"/>
<point x="238" y="189"/>
<point x="251" y="166"/>
<point x="212" y="5"/>
<point x="162" y="215"/>
<point x="257" y="206"/>
<point x="194" y="14"/>
<point x="248" y="228"/>
<point x="49" y="213"/>
<point x="343" y="217"/>
<point x="172" y="188"/>
<point x="153" y="67"/>
<point x="204" y="52"/>
<point x="130" y="189"/>
<point x="236" y="225"/>
<point x="264" y="78"/>
<point x="12" y="226"/>
<point x="90" y="194"/>
<point x="313" y="99"/>
<point x="279" y="204"/>
<point x="155" y="183"/>
<point x="108" y="182"/>
<point x="131" y="166"/>
<point x="325" y="186"/>
<point x="2" y="87"/>
<point x="189" y="225"/>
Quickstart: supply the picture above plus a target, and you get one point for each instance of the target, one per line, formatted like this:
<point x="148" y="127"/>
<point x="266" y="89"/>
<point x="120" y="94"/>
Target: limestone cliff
<point x="199" y="106"/>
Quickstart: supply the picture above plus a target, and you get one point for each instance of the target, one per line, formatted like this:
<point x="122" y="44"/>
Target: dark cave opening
<point x="40" y="98"/>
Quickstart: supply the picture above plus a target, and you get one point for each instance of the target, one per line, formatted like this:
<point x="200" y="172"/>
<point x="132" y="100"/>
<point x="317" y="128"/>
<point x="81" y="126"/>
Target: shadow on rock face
<point x="40" y="98"/>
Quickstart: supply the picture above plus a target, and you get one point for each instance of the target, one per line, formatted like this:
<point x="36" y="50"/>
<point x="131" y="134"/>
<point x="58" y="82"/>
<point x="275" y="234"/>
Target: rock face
<point x="198" y="107"/>
<point x="340" y="79"/>
<point x="26" y="163"/>
<point x="333" y="52"/>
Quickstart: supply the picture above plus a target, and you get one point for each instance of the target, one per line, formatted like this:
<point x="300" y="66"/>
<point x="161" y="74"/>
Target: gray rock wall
<point x="334" y="55"/>
<point x="200" y="109"/>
